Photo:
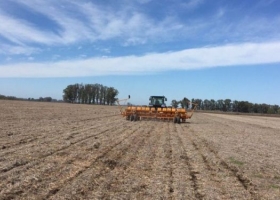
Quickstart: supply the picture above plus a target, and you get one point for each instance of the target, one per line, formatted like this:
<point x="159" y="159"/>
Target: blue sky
<point x="208" y="49"/>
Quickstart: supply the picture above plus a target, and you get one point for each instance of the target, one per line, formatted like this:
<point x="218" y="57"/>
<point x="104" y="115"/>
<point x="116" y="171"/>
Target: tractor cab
<point x="157" y="101"/>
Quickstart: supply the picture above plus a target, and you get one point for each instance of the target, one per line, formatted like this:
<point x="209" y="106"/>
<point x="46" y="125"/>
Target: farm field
<point x="71" y="151"/>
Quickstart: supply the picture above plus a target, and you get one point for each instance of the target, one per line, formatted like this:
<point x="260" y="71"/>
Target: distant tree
<point x="87" y="93"/>
<point x="47" y="99"/>
<point x="270" y="110"/>
<point x="244" y="106"/>
<point x="80" y="93"/>
<point x="97" y="92"/>
<point x="101" y="94"/>
<point x="184" y="103"/>
<point x="220" y="105"/>
<point x="213" y="104"/>
<point x="206" y="104"/>
<point x="70" y="94"/>
<point x="111" y="94"/>
<point x="199" y="103"/>
<point x="174" y="103"/>
<point x="275" y="109"/>
<point x="235" y="106"/>
<point x="90" y="94"/>
<point x="227" y="103"/>
<point x="265" y="108"/>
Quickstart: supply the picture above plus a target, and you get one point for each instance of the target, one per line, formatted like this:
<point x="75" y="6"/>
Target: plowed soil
<point x="70" y="151"/>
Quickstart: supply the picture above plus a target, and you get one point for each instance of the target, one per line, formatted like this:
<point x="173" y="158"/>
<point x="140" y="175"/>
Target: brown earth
<point x="68" y="151"/>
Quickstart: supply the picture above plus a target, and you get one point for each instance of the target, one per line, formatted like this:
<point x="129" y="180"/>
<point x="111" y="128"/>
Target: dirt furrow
<point x="160" y="169"/>
<point x="250" y="152"/>
<point x="25" y="174"/>
<point x="224" y="183"/>
<point x="136" y="181"/>
<point x="140" y="179"/>
<point x="52" y="137"/>
<point x="114" y="183"/>
<point x="45" y="148"/>
<point x="216" y="164"/>
<point x="52" y="119"/>
<point x="193" y="163"/>
<point x="71" y="151"/>
<point x="100" y="177"/>
<point x="170" y="164"/>
<point x="182" y="184"/>
<point x="21" y="141"/>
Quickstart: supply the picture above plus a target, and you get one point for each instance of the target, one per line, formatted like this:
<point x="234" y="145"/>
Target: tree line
<point x="99" y="94"/>
<point x="227" y="105"/>
<point x="90" y="94"/>
<point x="9" y="97"/>
<point x="44" y="99"/>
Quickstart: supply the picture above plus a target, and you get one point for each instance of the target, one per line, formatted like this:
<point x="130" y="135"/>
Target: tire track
<point x="221" y="172"/>
<point x="233" y="170"/>
<point x="181" y="179"/>
<point x="54" y="121"/>
<point x="160" y="175"/>
<point x="47" y="139"/>
<point x="11" y="188"/>
<point x="187" y="156"/>
<point x="148" y="176"/>
<point x="125" y="159"/>
<point x="96" y="175"/>
<point x="138" y="182"/>
<point x="30" y="138"/>
<point x="169" y="157"/>
<point x="70" y="136"/>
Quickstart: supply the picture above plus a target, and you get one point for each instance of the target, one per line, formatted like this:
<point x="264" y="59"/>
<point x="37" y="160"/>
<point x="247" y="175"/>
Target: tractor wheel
<point x="131" y="117"/>
<point x="135" y="118"/>
<point x="178" y="120"/>
<point x="175" y="120"/>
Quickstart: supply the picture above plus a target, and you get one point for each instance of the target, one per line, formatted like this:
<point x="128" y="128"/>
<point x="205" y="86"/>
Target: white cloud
<point x="72" y="28"/>
<point x="85" y="21"/>
<point x="17" y="50"/>
<point x="20" y="31"/>
<point x="190" y="59"/>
